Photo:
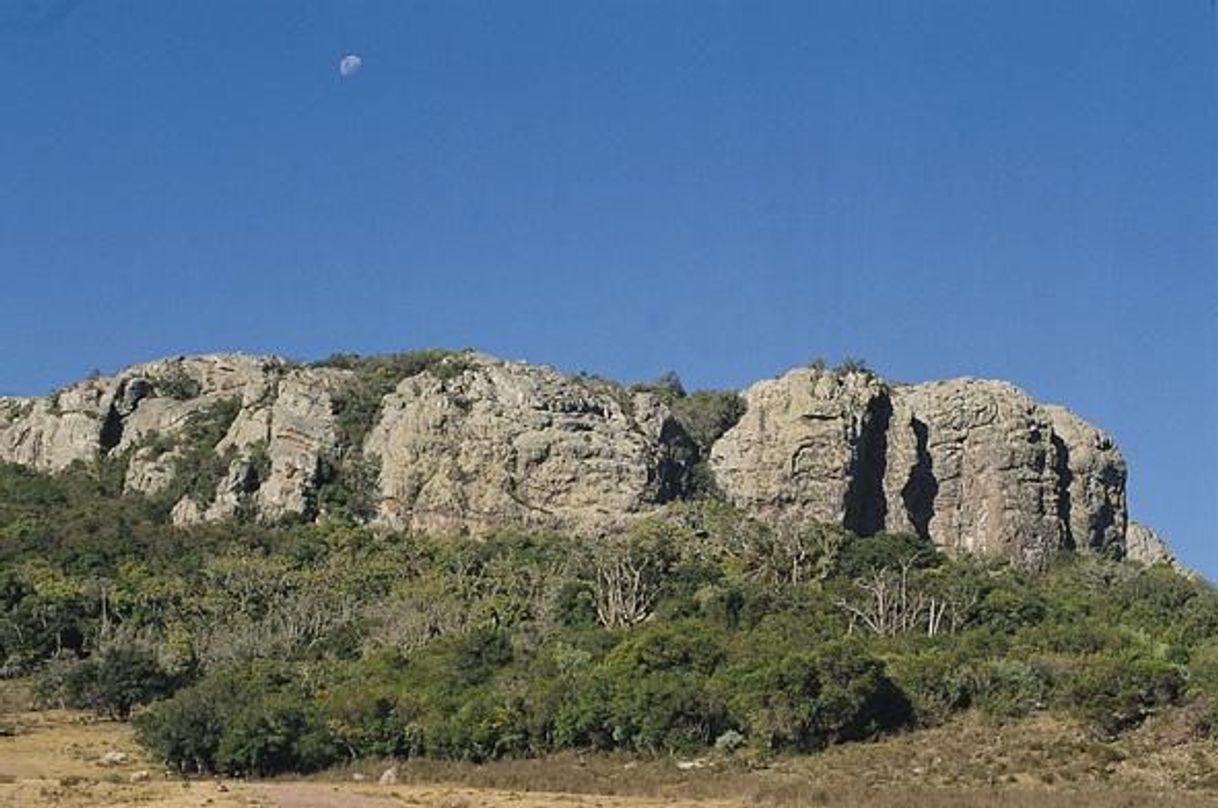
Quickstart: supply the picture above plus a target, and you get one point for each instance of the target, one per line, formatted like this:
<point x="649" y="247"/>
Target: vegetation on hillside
<point x="347" y="477"/>
<point x="258" y="649"/>
<point x="704" y="415"/>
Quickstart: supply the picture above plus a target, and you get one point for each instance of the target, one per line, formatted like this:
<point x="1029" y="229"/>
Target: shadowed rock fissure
<point x="920" y="490"/>
<point x="111" y="430"/>
<point x="866" y="505"/>
<point x="680" y="456"/>
<point x="1065" y="478"/>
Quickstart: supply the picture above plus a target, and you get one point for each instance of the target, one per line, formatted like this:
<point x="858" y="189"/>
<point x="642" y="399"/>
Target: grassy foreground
<point x="55" y="758"/>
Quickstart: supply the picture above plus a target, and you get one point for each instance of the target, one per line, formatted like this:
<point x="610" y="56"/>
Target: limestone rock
<point x="506" y="442"/>
<point x="145" y="413"/>
<point x="972" y="465"/>
<point x="975" y="466"/>
<point x="800" y="452"/>
<point x="113" y="758"/>
<point x="237" y="483"/>
<point x="186" y="512"/>
<point x="150" y="469"/>
<point x="1093" y="475"/>
<point x="51" y="433"/>
<point x="300" y="430"/>
<point x="474" y="443"/>
<point x="1145" y="545"/>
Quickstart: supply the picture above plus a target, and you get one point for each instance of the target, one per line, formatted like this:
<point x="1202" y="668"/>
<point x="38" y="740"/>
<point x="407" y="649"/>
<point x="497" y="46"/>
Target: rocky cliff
<point x="973" y="465"/>
<point x="457" y="441"/>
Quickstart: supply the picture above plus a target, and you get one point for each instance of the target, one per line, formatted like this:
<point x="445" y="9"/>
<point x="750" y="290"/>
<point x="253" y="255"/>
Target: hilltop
<point x="461" y="441"/>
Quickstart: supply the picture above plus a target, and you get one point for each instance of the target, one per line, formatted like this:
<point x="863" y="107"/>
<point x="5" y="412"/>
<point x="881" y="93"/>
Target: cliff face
<point x="975" y="466"/>
<point x="470" y="443"/>
<point x="510" y="442"/>
<point x="466" y="441"/>
<point x="148" y="415"/>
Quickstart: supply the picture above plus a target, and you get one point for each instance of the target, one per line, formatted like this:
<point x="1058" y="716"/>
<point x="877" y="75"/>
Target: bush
<point x="176" y="383"/>
<point x="808" y="700"/>
<point x="254" y="720"/>
<point x="654" y="686"/>
<point x="937" y="684"/>
<point x="865" y="554"/>
<point x="1203" y="670"/>
<point x="277" y="731"/>
<point x="185" y="731"/>
<point x="1114" y="693"/>
<point x="1010" y="688"/>
<point x="704" y="416"/>
<point x="111" y="682"/>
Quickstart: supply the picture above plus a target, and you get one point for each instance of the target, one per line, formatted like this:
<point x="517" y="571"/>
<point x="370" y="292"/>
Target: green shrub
<point x="1203" y="670"/>
<point x="808" y="700"/>
<point x="936" y="682"/>
<point x="1116" y="693"/>
<point x="176" y="383"/>
<point x="348" y="488"/>
<point x="653" y="686"/>
<point x="1007" y="608"/>
<point x="278" y="731"/>
<point x="707" y="414"/>
<point x="703" y="416"/>
<point x="254" y="720"/>
<point x="861" y="556"/>
<point x="851" y="364"/>
<point x="1010" y="688"/>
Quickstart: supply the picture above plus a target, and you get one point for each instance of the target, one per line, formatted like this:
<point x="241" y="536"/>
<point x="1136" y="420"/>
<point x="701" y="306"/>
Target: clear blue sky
<point x="1019" y="189"/>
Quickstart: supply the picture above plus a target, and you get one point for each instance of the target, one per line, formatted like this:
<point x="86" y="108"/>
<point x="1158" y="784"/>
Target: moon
<point x="349" y="65"/>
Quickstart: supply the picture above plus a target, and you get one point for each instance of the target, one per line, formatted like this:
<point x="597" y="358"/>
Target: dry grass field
<point x="56" y="758"/>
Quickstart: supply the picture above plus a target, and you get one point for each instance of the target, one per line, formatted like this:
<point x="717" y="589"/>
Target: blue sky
<point x="1021" y="189"/>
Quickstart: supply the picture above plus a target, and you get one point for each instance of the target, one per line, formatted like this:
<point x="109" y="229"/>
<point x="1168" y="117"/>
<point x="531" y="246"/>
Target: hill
<point x="274" y="568"/>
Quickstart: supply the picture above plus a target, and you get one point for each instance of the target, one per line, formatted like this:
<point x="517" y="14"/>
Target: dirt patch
<point x="57" y="758"/>
<point x="319" y="795"/>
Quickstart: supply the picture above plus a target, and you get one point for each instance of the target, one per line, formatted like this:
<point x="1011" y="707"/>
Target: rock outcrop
<point x="470" y="442"/>
<point x="1145" y="545"/>
<point x="149" y="416"/>
<point x="510" y="442"/>
<point x="802" y="450"/>
<point x="975" y="466"/>
<point x="1093" y="472"/>
<point x="481" y="444"/>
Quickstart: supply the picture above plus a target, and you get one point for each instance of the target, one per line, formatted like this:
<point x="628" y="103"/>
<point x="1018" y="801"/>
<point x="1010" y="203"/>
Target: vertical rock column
<point x="809" y="447"/>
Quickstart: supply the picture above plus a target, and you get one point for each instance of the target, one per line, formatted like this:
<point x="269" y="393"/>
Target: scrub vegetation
<point x="261" y="649"/>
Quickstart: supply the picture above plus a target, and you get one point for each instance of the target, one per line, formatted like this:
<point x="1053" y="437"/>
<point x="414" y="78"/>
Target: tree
<point x="628" y="576"/>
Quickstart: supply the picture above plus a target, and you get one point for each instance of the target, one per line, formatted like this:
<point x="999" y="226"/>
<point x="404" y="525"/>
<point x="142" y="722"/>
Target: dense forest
<point x="247" y="648"/>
